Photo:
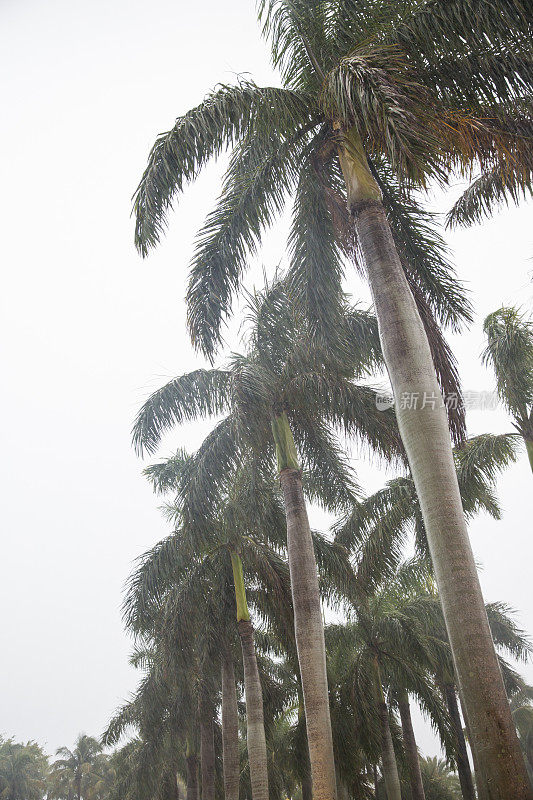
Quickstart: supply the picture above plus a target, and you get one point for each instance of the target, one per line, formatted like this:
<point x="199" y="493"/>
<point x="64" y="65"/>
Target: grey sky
<point x="89" y="329"/>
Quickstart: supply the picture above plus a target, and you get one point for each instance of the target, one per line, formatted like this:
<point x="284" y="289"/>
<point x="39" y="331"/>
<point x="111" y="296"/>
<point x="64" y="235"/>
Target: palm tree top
<point x="390" y="72"/>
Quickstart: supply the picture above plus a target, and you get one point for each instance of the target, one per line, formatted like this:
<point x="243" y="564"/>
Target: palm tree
<point x="23" y="770"/>
<point x="372" y="90"/>
<point x="72" y="773"/>
<point x="439" y="781"/>
<point x="510" y="353"/>
<point x="284" y="392"/>
<point x="392" y="652"/>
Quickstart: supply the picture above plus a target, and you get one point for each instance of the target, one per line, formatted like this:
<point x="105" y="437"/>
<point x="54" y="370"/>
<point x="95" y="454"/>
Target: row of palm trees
<point x="376" y="102"/>
<point x="228" y="557"/>
<point x="84" y="771"/>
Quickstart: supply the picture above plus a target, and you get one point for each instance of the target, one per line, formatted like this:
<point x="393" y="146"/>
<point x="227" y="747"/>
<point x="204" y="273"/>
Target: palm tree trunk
<point x="192" y="776"/>
<point x="411" y="750"/>
<point x="424" y="429"/>
<point x="308" y="624"/>
<point x="207" y="748"/>
<point x="463" y="764"/>
<point x="255" y="726"/>
<point x="303" y="746"/>
<point x="388" y="756"/>
<point x="230" y="730"/>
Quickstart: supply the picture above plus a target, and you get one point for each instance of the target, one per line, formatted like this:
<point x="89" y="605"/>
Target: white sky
<point x="89" y="330"/>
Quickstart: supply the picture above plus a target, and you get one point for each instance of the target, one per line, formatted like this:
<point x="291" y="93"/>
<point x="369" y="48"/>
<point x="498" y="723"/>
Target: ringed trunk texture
<point x="423" y="424"/>
<point x="463" y="764"/>
<point x="411" y="750"/>
<point x="207" y="749"/>
<point x="255" y="726"/>
<point x="481" y="787"/>
<point x="192" y="777"/>
<point x="388" y="756"/>
<point x="309" y="631"/>
<point x="230" y="730"/>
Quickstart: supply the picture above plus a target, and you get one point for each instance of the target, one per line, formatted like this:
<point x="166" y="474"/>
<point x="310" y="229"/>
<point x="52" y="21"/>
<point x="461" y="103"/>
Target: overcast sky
<point x="89" y="330"/>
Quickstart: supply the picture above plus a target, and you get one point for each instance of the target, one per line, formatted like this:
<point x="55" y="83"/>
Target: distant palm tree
<point x="23" y="770"/>
<point x="440" y="783"/>
<point x="73" y="773"/>
<point x="510" y="353"/>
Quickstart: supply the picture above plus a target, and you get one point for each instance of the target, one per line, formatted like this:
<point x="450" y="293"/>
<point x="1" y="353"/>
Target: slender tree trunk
<point x="463" y="764"/>
<point x="308" y="624"/>
<point x="192" y="776"/>
<point x="230" y="730"/>
<point x="307" y="788"/>
<point x="424" y="429"/>
<point x="411" y="750"/>
<point x="388" y="756"/>
<point x="255" y="726"/>
<point x="207" y="748"/>
<point x="303" y="747"/>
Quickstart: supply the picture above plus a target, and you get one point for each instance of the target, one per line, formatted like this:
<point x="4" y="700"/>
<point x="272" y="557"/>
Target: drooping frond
<point x="315" y="243"/>
<point x="329" y="479"/>
<point x="256" y="184"/>
<point x="485" y="193"/>
<point x="506" y="633"/>
<point x="423" y="252"/>
<point x="297" y="30"/>
<point x="459" y="27"/>
<point x="177" y="156"/>
<point x="197" y="394"/>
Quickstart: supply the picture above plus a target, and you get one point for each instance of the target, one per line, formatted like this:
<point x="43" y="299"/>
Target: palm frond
<point x="255" y="187"/>
<point x="177" y="156"/>
<point x="197" y="394"/>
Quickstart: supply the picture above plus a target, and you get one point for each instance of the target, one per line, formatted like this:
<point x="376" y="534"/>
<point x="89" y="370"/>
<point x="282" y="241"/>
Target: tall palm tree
<point x="369" y="89"/>
<point x="71" y="774"/>
<point x="285" y="393"/>
<point x="510" y="353"/>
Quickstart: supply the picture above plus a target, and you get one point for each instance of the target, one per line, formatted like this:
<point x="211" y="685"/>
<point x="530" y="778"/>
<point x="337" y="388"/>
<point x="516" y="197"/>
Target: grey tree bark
<point x="388" y="756"/>
<point x="424" y="429"/>
<point x="411" y="750"/>
<point x="207" y="748"/>
<point x="255" y="726"/>
<point x="309" y="631"/>
<point x="463" y="764"/>
<point x="230" y="730"/>
<point x="192" y="777"/>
